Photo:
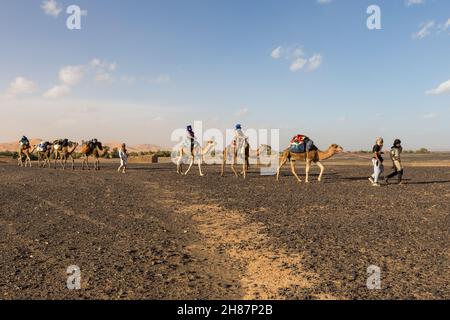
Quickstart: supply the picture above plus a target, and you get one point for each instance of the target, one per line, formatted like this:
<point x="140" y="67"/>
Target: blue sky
<point x="137" y="70"/>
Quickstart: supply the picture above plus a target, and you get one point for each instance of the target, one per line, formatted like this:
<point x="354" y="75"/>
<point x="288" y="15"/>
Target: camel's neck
<point x="324" y="155"/>
<point x="70" y="151"/>
<point x="207" y="148"/>
<point x="102" y="152"/>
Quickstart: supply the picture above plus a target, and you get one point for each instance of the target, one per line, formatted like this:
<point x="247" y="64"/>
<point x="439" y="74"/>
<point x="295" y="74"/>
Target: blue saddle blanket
<point x="302" y="147"/>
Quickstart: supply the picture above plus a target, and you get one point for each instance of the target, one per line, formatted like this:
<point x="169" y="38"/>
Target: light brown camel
<point x="65" y="152"/>
<point x="44" y="154"/>
<point x="198" y="152"/>
<point x="94" y="149"/>
<point x="312" y="156"/>
<point x="263" y="150"/>
<point x="25" y="150"/>
<point x="232" y="152"/>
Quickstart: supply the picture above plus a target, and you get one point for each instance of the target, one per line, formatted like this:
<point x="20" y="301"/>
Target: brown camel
<point x="197" y="152"/>
<point x="232" y="152"/>
<point x="263" y="150"/>
<point x="44" y="153"/>
<point x="65" y="152"/>
<point x="312" y="156"/>
<point x="25" y="150"/>
<point x="94" y="149"/>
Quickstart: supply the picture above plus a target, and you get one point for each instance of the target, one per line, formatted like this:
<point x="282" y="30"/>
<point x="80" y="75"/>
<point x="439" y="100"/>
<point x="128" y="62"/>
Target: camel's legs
<point x="19" y="160"/>
<point x="233" y="162"/>
<point x="224" y="160"/>
<point x="179" y="166"/>
<point x="308" y="167"/>
<point x="282" y="163"/>
<point x="27" y="159"/>
<point x="73" y="162"/>
<point x="322" y="168"/>
<point x="179" y="163"/>
<point x="190" y="166"/>
<point x="63" y="162"/>
<point x="56" y="159"/>
<point x="200" y="168"/>
<point x="294" y="171"/>
<point x="85" y="160"/>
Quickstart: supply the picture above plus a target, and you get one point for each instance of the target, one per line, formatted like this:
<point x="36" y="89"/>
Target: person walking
<point x="123" y="156"/>
<point x="397" y="167"/>
<point x="377" y="161"/>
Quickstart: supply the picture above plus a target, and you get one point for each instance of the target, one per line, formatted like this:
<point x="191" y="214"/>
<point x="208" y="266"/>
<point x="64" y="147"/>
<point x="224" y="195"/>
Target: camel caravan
<point x="62" y="150"/>
<point x="301" y="148"/>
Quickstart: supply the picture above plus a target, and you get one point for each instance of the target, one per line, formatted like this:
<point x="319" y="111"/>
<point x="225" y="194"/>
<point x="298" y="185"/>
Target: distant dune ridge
<point x="13" y="146"/>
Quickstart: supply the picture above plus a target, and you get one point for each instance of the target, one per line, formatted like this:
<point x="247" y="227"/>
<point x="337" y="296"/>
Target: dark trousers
<point x="397" y="173"/>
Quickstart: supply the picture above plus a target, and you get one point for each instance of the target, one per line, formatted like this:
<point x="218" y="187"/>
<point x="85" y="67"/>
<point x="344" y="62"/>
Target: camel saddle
<point x="301" y="144"/>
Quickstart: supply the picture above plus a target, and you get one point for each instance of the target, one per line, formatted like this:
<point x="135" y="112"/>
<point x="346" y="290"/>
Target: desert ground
<point x="152" y="234"/>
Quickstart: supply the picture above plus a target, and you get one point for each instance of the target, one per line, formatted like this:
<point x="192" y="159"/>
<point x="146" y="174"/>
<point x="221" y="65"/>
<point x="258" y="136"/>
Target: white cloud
<point x="71" y="75"/>
<point x="157" y="118"/>
<point x="51" y="8"/>
<point x="57" y="92"/>
<point x="162" y="78"/>
<point x="276" y="53"/>
<point x="446" y="25"/>
<point x="112" y="66"/>
<point x="323" y="1"/>
<point x="95" y="62"/>
<point x="241" y="112"/>
<point x="413" y="2"/>
<point x="20" y="86"/>
<point x="424" y="30"/>
<point x="298" y="64"/>
<point x="442" y="88"/>
<point x="431" y="115"/>
<point x="297" y="58"/>
<point x="314" y="62"/>
<point x="101" y="65"/>
<point x="105" y="78"/>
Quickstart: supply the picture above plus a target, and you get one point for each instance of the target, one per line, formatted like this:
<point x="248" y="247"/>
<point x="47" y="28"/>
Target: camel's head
<point x="211" y="143"/>
<point x="336" y="148"/>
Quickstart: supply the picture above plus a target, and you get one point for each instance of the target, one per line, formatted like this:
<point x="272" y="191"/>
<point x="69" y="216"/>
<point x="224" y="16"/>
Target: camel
<point x="95" y="149"/>
<point x="315" y="156"/>
<point x="44" y="154"/>
<point x="65" y="152"/>
<point x="25" y="150"/>
<point x="233" y="152"/>
<point x="198" y="152"/>
<point x="263" y="149"/>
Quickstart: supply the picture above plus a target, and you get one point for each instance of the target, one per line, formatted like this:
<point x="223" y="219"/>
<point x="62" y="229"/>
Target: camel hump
<point x="85" y="148"/>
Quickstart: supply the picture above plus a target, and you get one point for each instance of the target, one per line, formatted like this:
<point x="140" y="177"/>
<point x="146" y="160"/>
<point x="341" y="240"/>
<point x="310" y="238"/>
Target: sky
<point x="139" y="69"/>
